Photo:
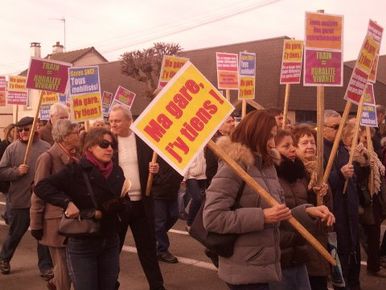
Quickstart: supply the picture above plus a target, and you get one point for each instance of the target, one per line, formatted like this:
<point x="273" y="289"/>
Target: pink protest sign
<point x="227" y="71"/>
<point x="3" y="89"/>
<point x="323" y="68"/>
<point x="124" y="97"/>
<point x="47" y="75"/>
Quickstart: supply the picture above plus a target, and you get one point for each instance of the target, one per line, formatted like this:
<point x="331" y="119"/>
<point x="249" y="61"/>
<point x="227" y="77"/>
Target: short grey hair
<point x="381" y="109"/>
<point x="330" y="114"/>
<point x="125" y="110"/>
<point x="62" y="128"/>
<point x="58" y="108"/>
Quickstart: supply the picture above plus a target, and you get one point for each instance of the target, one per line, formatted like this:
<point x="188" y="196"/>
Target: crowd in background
<point x="102" y="172"/>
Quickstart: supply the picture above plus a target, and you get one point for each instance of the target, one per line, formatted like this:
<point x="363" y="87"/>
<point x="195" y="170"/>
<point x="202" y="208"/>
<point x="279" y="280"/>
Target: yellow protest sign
<point x="49" y="98"/>
<point x="170" y="66"/>
<point x="247" y="88"/>
<point x="183" y="117"/>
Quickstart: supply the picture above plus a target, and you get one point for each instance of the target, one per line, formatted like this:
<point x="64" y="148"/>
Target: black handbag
<point x="220" y="244"/>
<point x="85" y="225"/>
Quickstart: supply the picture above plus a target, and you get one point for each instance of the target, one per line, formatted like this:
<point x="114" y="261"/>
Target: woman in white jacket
<point x="195" y="185"/>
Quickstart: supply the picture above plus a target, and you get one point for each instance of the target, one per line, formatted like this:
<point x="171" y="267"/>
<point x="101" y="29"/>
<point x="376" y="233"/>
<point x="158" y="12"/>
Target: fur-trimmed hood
<point x="242" y="154"/>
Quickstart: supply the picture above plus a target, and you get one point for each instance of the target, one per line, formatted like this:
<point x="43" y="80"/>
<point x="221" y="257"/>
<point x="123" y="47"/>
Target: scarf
<point x="363" y="157"/>
<point x="311" y="166"/>
<point x="104" y="168"/>
<point x="290" y="170"/>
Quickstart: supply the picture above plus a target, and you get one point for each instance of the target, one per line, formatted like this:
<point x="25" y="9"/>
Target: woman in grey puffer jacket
<point x="256" y="258"/>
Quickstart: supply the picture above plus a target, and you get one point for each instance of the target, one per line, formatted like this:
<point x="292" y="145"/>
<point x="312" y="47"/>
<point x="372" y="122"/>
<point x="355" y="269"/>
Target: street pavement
<point x="193" y="272"/>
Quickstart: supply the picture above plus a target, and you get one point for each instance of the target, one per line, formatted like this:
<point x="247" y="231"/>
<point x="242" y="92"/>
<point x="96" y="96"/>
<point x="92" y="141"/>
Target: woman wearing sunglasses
<point x="93" y="261"/>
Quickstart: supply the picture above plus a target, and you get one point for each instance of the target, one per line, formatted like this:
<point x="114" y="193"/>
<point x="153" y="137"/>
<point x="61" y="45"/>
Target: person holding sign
<point x="370" y="211"/>
<point x="21" y="177"/>
<point x="134" y="157"/>
<point x="256" y="258"/>
<point x="345" y="205"/>
<point x="305" y="143"/>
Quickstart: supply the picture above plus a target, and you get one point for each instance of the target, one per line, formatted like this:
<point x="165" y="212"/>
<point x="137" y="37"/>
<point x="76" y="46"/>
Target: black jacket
<point x="69" y="185"/>
<point x="166" y="183"/>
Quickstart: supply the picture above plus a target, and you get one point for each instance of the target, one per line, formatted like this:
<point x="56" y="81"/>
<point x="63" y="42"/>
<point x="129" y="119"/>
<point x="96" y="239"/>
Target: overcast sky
<point x="117" y="26"/>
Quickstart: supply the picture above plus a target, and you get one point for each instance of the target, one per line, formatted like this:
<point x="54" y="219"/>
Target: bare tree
<point x="145" y="65"/>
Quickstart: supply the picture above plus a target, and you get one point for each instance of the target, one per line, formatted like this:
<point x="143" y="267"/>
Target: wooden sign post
<point x="286" y="100"/>
<point x="319" y="138"/>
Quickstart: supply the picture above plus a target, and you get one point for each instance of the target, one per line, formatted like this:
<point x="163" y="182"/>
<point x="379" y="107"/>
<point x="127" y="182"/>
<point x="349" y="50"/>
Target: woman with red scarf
<point x="93" y="262"/>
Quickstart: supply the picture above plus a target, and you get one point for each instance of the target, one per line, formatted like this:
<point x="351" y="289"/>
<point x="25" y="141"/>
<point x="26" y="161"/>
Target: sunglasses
<point x="25" y="129"/>
<point x="104" y="144"/>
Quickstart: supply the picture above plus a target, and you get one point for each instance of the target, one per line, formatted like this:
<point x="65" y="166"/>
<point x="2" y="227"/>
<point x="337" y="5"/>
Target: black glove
<point x="114" y="205"/>
<point x="37" y="234"/>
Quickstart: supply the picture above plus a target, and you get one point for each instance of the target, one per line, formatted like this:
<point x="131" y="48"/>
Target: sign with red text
<point x="247" y="75"/>
<point x="17" y="92"/>
<point x="107" y="99"/>
<point x="170" y="66"/>
<point x="183" y="117"/>
<point x="291" y="65"/>
<point x="368" y="95"/>
<point x="227" y="71"/>
<point x="123" y="97"/>
<point x="85" y="93"/>
<point x="48" y="75"/>
<point x="3" y="91"/>
<point x="323" y="62"/>
<point x="376" y="31"/>
<point x="364" y="64"/>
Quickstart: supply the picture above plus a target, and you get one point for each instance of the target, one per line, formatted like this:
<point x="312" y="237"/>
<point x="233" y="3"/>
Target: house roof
<point x="73" y="56"/>
<point x="269" y="92"/>
<point x="111" y="77"/>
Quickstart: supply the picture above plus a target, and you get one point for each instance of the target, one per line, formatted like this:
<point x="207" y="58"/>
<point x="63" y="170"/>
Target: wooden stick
<point x="269" y="199"/>
<point x="16" y="120"/>
<point x="87" y="125"/>
<point x="286" y="100"/>
<point x="336" y="142"/>
<point x="370" y="149"/>
<point x="149" y="183"/>
<point x="228" y="95"/>
<point x="354" y="142"/>
<point x="319" y="139"/>
<point x="243" y="108"/>
<point x="32" y="132"/>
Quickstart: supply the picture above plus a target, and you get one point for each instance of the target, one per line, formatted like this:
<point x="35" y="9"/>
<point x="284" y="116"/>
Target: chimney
<point x="35" y="49"/>
<point x="57" y="48"/>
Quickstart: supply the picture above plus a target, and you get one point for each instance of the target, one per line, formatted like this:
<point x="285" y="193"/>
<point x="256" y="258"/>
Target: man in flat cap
<point x="21" y="177"/>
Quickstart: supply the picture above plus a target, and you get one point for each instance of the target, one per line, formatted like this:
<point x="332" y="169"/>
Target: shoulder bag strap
<point x="89" y="188"/>
<point x="239" y="194"/>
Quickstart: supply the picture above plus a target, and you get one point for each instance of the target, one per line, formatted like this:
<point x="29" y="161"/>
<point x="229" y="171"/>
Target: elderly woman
<point x="256" y="258"/>
<point x="93" y="261"/>
<point x="45" y="217"/>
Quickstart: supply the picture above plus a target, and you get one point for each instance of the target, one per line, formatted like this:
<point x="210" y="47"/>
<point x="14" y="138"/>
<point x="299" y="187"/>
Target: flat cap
<point x="25" y="121"/>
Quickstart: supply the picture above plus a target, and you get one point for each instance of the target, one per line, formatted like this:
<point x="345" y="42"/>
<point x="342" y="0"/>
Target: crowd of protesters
<point x="104" y="171"/>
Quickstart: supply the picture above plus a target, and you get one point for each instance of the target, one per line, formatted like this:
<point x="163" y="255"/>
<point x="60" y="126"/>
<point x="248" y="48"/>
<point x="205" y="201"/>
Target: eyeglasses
<point x="25" y="129"/>
<point x="104" y="144"/>
<point x="335" y="127"/>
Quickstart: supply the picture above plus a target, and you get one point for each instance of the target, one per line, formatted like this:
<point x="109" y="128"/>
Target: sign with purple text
<point x="247" y="75"/>
<point x="48" y="75"/>
<point x="369" y="116"/>
<point x="17" y="91"/>
<point x="364" y="64"/>
<point x="291" y="65"/>
<point x="3" y="91"/>
<point x="227" y="71"/>
<point x="323" y="63"/>
<point x="85" y="93"/>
